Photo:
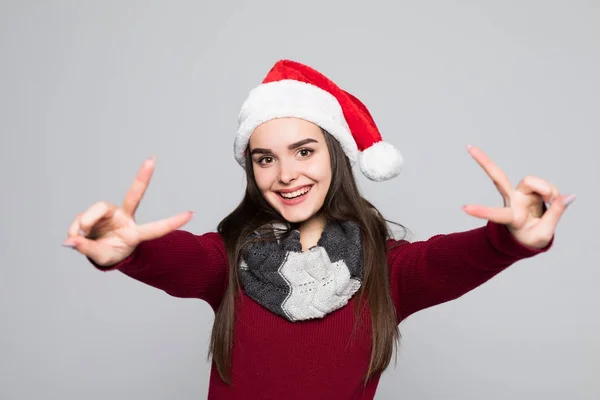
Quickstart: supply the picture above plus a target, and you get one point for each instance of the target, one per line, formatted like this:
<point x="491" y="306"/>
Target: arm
<point x="445" y="267"/>
<point x="181" y="264"/>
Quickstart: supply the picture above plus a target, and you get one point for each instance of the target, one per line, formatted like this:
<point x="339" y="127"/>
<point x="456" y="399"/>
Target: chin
<point x="296" y="217"/>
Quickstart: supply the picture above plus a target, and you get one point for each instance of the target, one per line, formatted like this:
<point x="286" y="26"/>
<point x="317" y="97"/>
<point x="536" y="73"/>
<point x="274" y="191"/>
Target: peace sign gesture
<point x="108" y="234"/>
<point x="524" y="211"/>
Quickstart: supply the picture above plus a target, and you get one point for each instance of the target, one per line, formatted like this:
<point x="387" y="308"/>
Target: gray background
<point x="90" y="89"/>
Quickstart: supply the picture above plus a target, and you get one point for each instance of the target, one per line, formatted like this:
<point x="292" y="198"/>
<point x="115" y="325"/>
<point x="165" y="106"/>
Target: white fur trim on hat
<point x="381" y="161"/>
<point x="291" y="98"/>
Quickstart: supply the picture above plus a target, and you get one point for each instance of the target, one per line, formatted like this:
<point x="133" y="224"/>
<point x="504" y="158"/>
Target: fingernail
<point x="81" y="232"/>
<point x="192" y="212"/>
<point x="69" y="245"/>
<point x="569" y="199"/>
<point x="469" y="147"/>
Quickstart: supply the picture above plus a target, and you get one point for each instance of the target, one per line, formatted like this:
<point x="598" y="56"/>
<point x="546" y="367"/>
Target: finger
<point x="550" y="219"/>
<point x="533" y="184"/>
<point x="501" y="215"/>
<point x="493" y="171"/>
<point x="137" y="189"/>
<point x="74" y="228"/>
<point x="92" y="215"/>
<point x="156" y="229"/>
<point x="87" y="247"/>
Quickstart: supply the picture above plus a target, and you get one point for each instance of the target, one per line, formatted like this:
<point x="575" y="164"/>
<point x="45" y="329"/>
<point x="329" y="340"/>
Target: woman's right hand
<point x="108" y="234"/>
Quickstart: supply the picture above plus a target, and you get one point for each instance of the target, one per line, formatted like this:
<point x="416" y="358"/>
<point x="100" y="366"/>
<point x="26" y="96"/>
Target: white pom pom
<point x="381" y="161"/>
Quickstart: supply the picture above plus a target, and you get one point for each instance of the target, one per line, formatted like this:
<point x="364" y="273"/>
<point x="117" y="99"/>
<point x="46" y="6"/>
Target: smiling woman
<point x="306" y="281"/>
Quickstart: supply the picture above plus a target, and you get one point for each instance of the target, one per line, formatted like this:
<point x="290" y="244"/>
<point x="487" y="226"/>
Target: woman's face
<point x="291" y="166"/>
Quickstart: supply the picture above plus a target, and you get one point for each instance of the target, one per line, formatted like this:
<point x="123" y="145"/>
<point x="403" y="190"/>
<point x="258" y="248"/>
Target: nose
<point x="288" y="171"/>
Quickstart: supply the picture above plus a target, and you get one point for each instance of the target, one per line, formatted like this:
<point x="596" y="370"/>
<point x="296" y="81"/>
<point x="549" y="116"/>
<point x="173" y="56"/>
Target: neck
<point x="310" y="232"/>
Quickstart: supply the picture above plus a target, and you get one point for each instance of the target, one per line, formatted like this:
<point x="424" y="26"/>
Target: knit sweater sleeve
<point x="446" y="266"/>
<point x="181" y="264"/>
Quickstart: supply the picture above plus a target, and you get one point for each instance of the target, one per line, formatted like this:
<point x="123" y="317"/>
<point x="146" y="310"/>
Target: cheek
<point x="264" y="178"/>
<point x="320" y="170"/>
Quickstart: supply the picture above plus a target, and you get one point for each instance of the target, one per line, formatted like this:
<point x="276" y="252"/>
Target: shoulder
<point x="396" y="246"/>
<point x="212" y="239"/>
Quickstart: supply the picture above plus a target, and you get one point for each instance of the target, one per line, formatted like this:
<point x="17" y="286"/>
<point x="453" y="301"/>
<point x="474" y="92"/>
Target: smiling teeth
<point x="297" y="193"/>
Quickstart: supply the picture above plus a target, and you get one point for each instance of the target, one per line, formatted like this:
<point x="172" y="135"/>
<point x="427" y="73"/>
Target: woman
<point x="307" y="284"/>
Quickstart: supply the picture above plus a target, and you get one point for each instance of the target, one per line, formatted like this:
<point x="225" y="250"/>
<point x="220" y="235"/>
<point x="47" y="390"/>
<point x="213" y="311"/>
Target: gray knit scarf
<point x="300" y="285"/>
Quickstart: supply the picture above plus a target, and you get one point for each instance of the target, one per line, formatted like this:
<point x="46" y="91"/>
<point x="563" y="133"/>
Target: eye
<point x="265" y="160"/>
<point x="305" y="152"/>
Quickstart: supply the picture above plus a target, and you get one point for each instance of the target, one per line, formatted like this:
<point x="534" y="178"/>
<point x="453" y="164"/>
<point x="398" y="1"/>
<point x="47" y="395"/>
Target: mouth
<point x="294" y="196"/>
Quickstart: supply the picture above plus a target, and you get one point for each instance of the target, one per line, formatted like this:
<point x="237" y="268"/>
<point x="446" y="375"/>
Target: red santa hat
<point x="291" y="89"/>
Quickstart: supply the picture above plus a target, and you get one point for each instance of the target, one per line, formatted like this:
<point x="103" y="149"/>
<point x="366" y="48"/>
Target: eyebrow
<point x="290" y="147"/>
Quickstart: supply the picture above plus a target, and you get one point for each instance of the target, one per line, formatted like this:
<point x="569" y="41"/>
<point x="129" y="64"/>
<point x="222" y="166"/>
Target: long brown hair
<point x="343" y="202"/>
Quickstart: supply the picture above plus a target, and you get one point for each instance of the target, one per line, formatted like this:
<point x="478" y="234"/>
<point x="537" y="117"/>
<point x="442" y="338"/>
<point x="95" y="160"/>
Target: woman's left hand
<point x="524" y="212"/>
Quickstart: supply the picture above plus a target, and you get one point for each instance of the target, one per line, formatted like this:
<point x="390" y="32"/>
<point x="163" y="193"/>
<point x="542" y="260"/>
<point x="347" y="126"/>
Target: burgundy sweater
<point x="277" y="359"/>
